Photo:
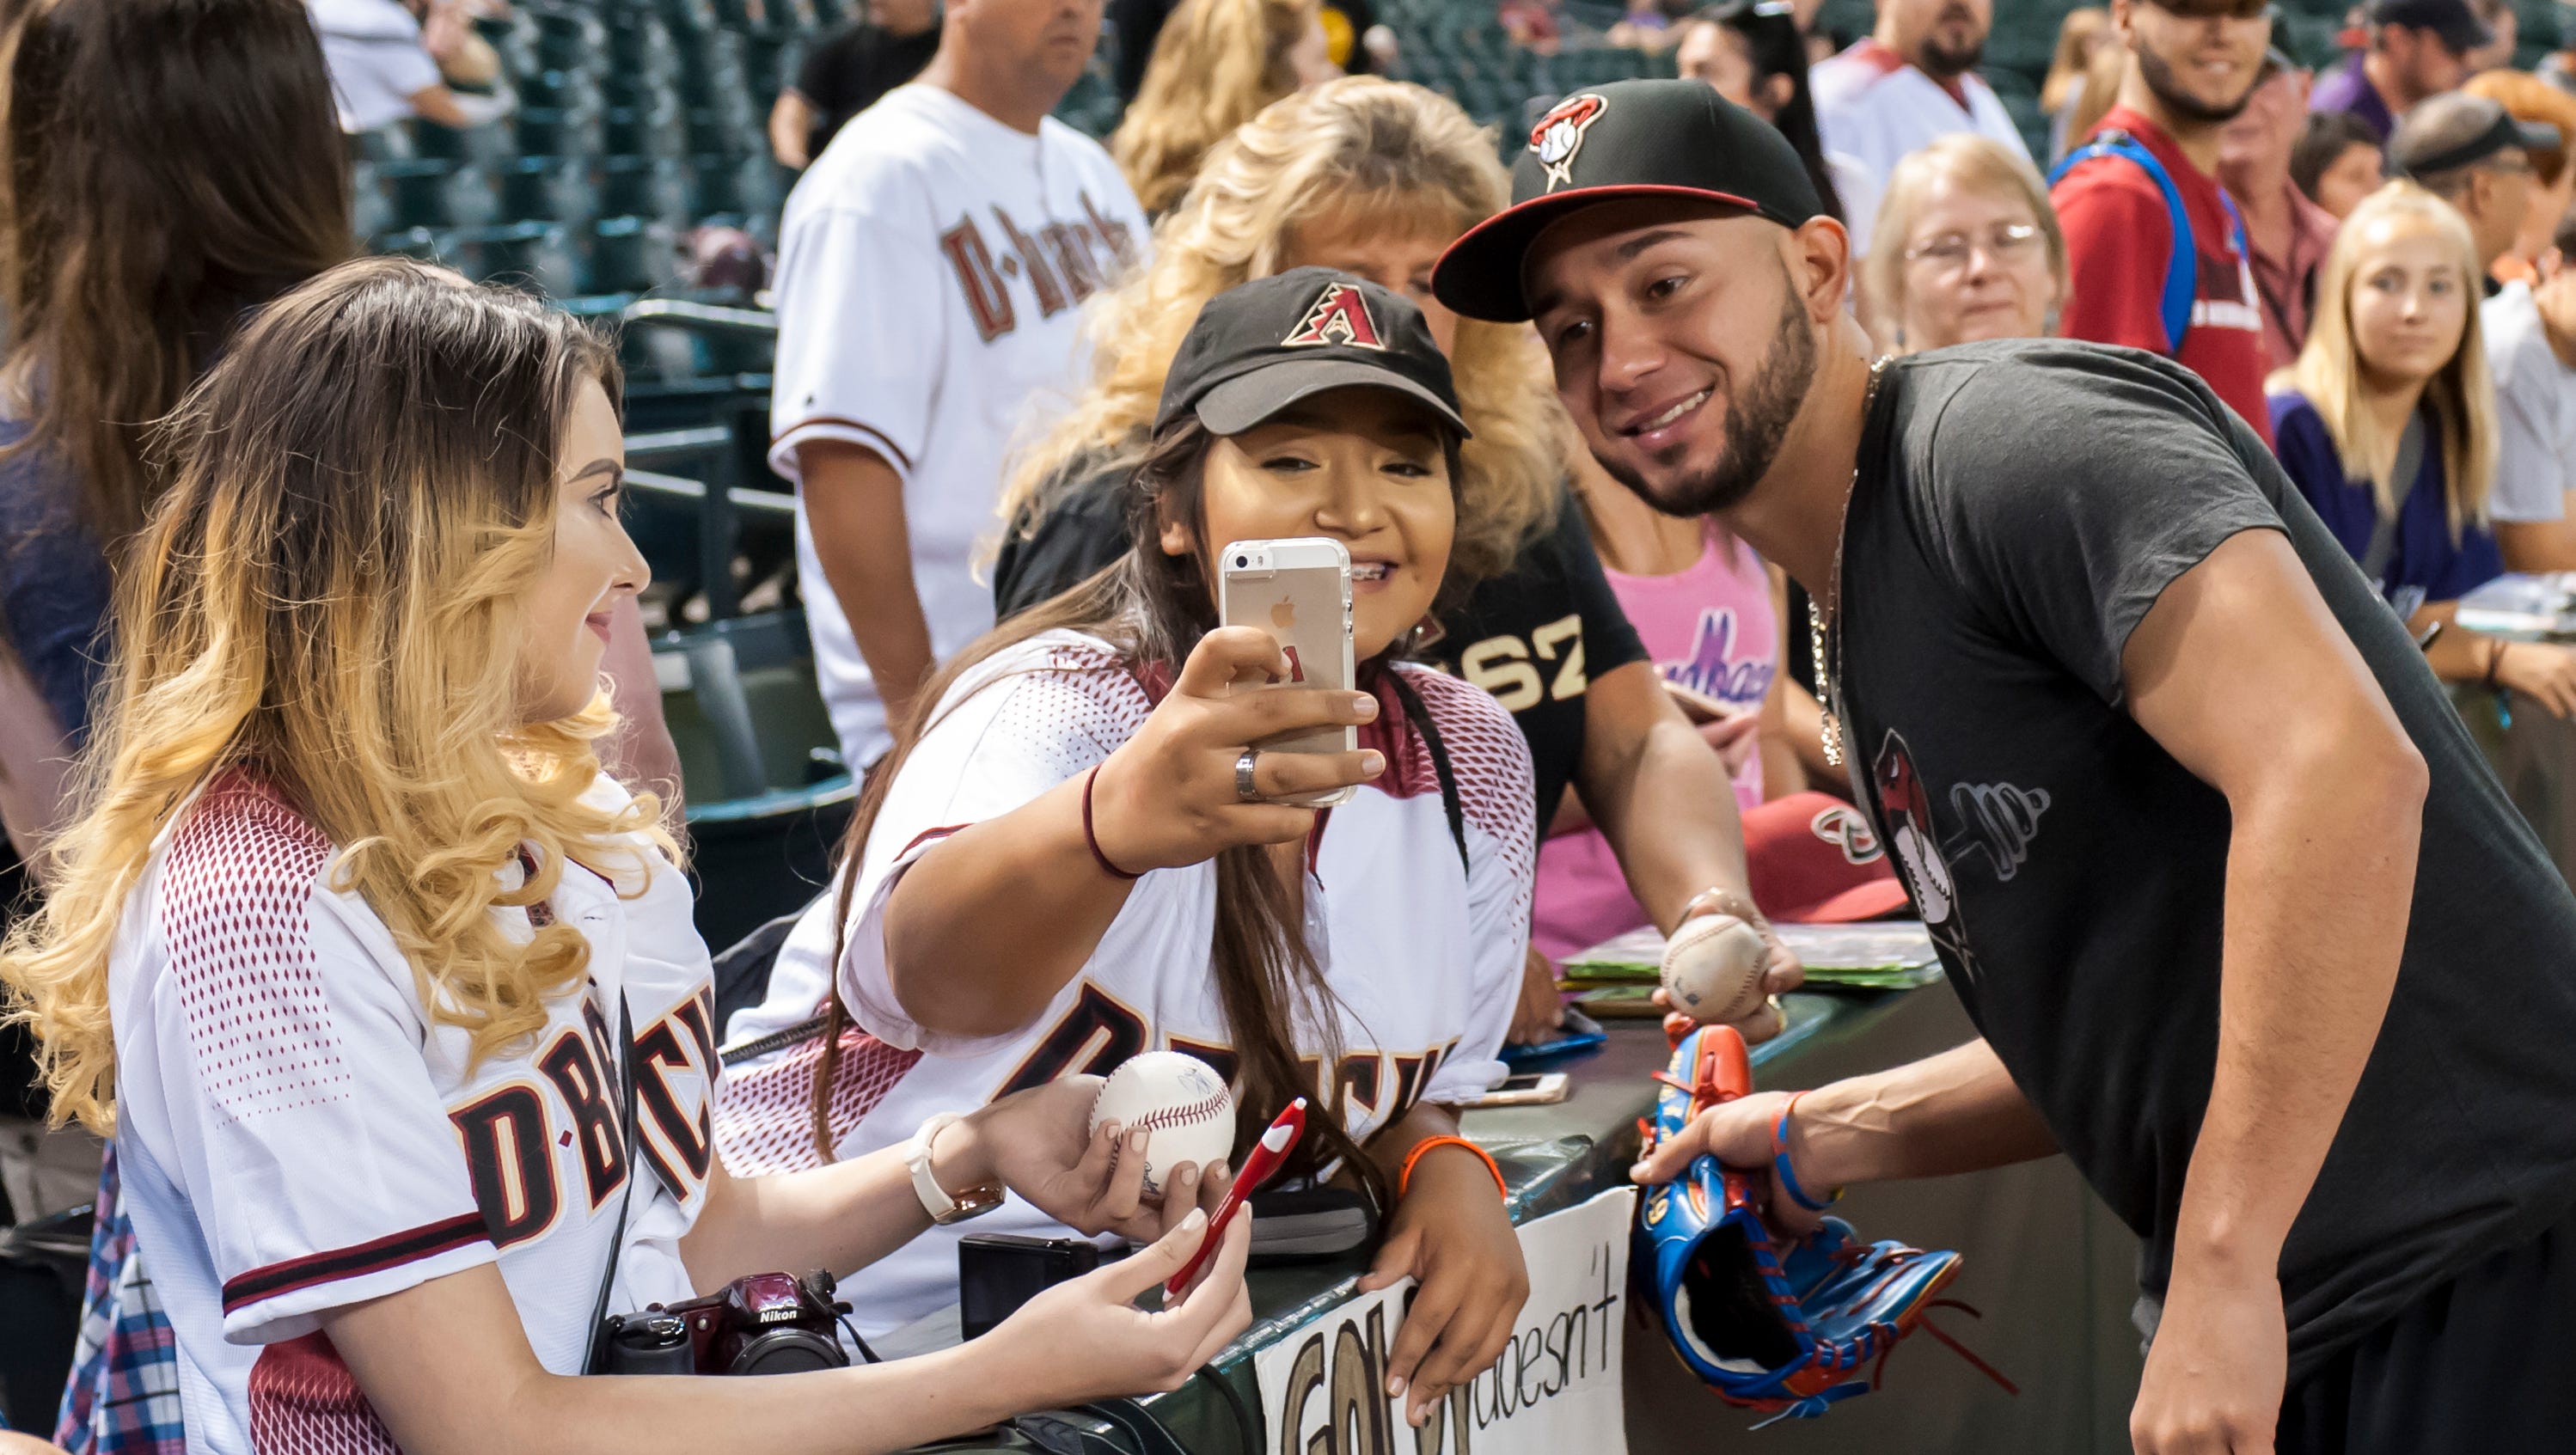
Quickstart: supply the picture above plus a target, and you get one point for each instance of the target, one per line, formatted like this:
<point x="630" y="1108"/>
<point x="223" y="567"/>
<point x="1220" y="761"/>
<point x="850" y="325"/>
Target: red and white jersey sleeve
<point x="1421" y="952"/>
<point x="297" y="1135"/>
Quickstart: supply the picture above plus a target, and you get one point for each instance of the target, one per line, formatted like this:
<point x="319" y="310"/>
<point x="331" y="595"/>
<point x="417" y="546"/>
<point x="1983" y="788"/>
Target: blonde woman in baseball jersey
<point x="357" y="951"/>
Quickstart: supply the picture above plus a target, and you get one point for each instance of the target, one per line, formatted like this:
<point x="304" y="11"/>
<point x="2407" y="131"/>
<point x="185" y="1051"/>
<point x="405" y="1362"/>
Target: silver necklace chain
<point x="1828" y="697"/>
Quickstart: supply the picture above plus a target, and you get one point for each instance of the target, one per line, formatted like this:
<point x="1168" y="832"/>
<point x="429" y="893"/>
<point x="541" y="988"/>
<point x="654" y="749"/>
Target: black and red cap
<point x="1677" y="139"/>
<point x="1259" y="347"/>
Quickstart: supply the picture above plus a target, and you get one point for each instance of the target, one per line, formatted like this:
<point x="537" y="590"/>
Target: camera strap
<point x="596" y="1361"/>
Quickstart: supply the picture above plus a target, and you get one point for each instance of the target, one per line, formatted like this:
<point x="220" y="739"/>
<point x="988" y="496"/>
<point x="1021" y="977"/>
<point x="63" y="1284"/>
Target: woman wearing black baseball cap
<point x="1075" y="849"/>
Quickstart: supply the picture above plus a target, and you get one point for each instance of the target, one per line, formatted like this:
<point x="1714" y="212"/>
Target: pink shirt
<point x="1710" y="628"/>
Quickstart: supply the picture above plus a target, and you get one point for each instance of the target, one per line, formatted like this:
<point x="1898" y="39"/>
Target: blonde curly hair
<point x="1216" y="63"/>
<point x="1410" y="162"/>
<point x="328" y="600"/>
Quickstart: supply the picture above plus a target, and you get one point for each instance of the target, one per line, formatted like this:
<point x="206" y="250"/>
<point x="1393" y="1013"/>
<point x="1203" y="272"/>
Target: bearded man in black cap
<point x="2247" y="928"/>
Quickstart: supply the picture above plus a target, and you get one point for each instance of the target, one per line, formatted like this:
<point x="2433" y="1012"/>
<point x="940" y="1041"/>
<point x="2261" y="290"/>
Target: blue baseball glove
<point x="1783" y="1325"/>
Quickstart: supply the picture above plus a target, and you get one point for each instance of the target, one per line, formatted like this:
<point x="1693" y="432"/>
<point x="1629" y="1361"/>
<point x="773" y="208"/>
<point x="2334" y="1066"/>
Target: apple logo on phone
<point x="1284" y="615"/>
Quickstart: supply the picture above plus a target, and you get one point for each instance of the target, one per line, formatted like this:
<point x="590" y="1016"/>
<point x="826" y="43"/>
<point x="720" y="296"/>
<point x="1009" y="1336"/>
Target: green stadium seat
<point x="563" y="90"/>
<point x="548" y="131"/>
<point x="370" y="209"/>
<point x="630" y="255"/>
<point x="656" y="187"/>
<point x="635" y="131"/>
<point x="536" y="255"/>
<point x="410" y="242"/>
<point x="712" y="131"/>
<point x="547" y="189"/>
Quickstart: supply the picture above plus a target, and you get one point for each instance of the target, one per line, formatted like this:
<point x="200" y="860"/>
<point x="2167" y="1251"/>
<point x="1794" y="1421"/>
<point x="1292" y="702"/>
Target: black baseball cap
<point x="2455" y="129"/>
<point x="2452" y="20"/>
<point x="1677" y="139"/>
<point x="1261" y="346"/>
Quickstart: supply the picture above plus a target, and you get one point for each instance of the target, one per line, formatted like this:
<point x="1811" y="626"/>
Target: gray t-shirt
<point x="2535" y="410"/>
<point x="2021" y="505"/>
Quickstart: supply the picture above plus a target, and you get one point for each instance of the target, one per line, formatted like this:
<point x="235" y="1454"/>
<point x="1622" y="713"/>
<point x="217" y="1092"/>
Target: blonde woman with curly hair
<point x="391" y="997"/>
<point x="1216" y="63"/>
<point x="1376" y="178"/>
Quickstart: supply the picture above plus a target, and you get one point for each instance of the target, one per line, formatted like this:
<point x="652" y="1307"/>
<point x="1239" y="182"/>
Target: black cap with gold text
<point x="1676" y="139"/>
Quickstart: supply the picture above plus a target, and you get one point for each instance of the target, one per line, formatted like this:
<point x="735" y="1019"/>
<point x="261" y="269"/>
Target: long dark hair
<point x="1152" y="609"/>
<point x="1774" y="45"/>
<point x="164" y="166"/>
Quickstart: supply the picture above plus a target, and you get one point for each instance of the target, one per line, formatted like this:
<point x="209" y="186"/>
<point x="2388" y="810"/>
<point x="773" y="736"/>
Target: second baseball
<point x="1181" y="1102"/>
<point x="1713" y="968"/>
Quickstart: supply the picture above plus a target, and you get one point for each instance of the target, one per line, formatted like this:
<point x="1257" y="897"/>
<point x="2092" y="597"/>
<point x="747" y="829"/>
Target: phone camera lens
<point x="1242" y="561"/>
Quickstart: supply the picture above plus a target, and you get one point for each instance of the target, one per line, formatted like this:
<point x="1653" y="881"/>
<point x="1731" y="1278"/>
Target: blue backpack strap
<point x="2182" y="270"/>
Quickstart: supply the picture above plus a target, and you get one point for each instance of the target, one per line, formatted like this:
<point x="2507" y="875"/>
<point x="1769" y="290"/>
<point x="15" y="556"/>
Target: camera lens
<point x="1242" y="561"/>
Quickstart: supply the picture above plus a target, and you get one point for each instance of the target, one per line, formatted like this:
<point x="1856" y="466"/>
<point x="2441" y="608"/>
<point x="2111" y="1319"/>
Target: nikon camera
<point x="765" y="1323"/>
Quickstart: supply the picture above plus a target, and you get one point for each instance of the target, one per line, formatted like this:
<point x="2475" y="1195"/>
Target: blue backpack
<point x="2182" y="271"/>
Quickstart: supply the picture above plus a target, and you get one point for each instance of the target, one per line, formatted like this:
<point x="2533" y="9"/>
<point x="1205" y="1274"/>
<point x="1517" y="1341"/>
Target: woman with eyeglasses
<point x="1966" y="248"/>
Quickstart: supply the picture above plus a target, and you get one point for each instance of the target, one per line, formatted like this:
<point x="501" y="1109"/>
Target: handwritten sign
<point x="1555" y="1388"/>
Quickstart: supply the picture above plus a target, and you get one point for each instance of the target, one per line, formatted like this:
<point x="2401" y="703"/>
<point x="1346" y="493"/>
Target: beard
<point x="1757" y="420"/>
<point x="2159" y="75"/>
<point x="1947" y="63"/>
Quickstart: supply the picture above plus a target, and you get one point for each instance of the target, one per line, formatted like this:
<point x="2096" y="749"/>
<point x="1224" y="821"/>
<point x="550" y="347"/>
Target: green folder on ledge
<point x="1618" y="976"/>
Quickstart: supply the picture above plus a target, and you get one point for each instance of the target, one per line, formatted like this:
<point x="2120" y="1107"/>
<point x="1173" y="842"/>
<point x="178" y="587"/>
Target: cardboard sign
<point x="1555" y="1388"/>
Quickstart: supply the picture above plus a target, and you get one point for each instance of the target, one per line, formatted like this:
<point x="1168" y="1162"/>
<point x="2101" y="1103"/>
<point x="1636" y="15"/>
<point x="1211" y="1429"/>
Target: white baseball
<point x="1180" y="1101"/>
<point x="1713" y="968"/>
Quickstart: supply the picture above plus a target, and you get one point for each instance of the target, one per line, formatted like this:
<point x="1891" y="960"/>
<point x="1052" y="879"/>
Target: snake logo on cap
<point x="1340" y="316"/>
<point x="1559" y="135"/>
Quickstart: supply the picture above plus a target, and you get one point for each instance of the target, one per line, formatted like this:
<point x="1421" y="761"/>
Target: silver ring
<point x="1243" y="785"/>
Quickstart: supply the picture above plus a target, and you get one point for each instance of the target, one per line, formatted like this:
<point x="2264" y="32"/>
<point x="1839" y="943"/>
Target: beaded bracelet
<point x="1404" y="1178"/>
<point x="1780" y="1163"/>
<point x="1092" y="840"/>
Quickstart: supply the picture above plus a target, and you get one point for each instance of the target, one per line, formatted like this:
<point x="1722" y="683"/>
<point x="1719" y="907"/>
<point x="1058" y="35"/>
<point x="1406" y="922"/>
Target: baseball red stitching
<point x="1201" y="1110"/>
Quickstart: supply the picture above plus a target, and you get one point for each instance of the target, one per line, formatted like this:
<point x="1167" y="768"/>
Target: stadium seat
<point x="548" y="189"/>
<point x="370" y="210"/>
<point x="538" y="255"/>
<point x="656" y="187"/>
<point x="563" y="90"/>
<point x="638" y="131"/>
<point x="548" y="131"/>
<point x="630" y="255"/>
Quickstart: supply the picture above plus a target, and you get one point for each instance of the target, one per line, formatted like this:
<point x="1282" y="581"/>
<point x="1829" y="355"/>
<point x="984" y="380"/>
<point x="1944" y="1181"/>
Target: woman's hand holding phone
<point x="1118" y="1348"/>
<point x="1167" y="796"/>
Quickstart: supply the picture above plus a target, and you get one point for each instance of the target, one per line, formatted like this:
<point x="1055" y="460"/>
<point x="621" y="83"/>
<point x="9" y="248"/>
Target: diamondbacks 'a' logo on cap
<point x="1559" y="135"/>
<point x="1340" y="316"/>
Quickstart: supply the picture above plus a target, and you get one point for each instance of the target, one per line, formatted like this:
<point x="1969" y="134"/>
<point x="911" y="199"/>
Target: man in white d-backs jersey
<point x="930" y="273"/>
<point x="1912" y="80"/>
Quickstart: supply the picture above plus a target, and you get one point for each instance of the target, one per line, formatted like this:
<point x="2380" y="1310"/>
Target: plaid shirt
<point x="123" y="1398"/>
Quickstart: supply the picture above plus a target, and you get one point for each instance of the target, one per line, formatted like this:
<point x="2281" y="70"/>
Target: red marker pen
<point x="1276" y="1142"/>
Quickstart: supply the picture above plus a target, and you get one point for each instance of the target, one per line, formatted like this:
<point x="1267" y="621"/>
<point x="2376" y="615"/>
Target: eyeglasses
<point x="2218" y="9"/>
<point x="2005" y="242"/>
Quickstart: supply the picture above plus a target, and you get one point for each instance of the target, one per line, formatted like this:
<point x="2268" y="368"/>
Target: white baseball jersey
<point x="1423" y="953"/>
<point x="1875" y="105"/>
<point x="373" y="51"/>
<point x="296" y="1135"/>
<point x="930" y="270"/>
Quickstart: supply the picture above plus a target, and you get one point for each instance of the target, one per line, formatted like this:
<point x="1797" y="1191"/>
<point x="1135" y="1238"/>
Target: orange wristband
<point x="1404" y="1179"/>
